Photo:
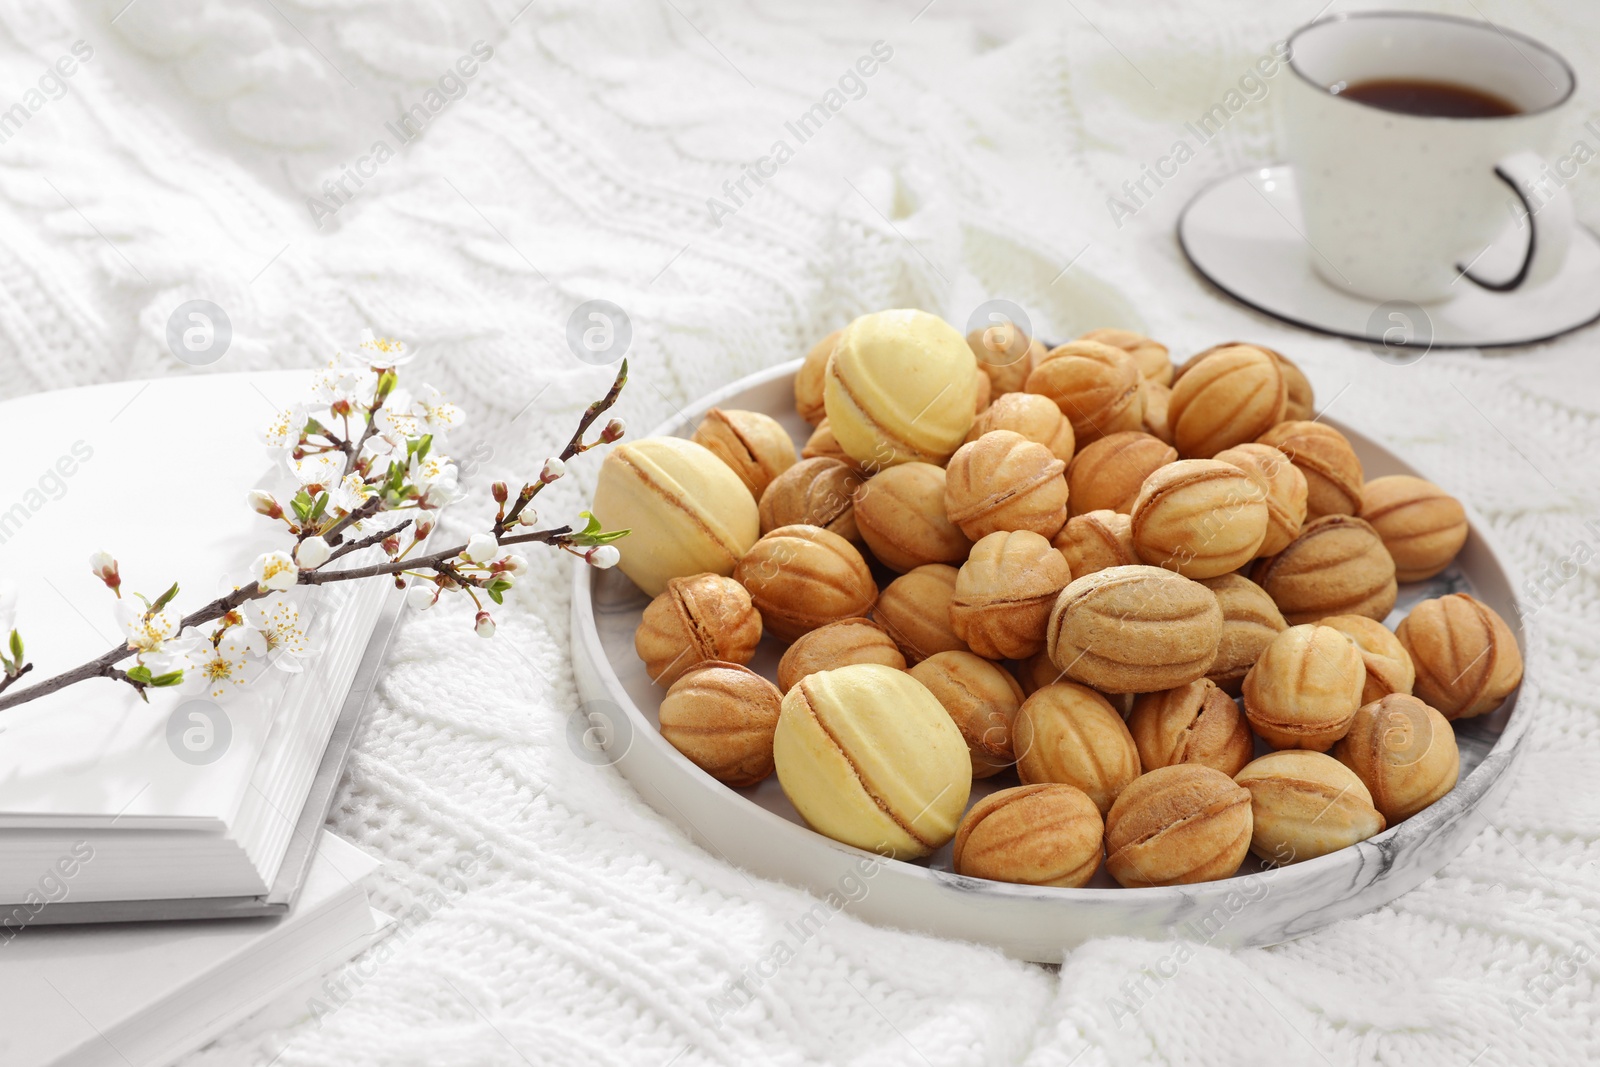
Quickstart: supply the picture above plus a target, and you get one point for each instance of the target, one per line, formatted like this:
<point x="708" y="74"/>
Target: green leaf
<point x="302" y="505"/>
<point x="16" y="647"/>
<point x="164" y="681"/>
<point x="592" y="536"/>
<point x="386" y="382"/>
<point x="424" y="443"/>
<point x="139" y="673"/>
<point x="495" y="595"/>
<point x="320" y="506"/>
<point x="165" y="598"/>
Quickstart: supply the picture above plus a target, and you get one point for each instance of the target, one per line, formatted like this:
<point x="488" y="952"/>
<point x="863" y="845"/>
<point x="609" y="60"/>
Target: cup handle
<point x="1549" y="224"/>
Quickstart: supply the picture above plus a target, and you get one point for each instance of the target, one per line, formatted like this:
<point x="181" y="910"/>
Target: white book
<point x="145" y="994"/>
<point x="168" y="806"/>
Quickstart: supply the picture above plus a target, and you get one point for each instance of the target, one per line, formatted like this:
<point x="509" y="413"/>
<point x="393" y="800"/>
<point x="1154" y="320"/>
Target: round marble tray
<point x="758" y="830"/>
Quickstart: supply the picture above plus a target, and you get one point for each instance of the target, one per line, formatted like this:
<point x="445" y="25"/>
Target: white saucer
<point x="1243" y="234"/>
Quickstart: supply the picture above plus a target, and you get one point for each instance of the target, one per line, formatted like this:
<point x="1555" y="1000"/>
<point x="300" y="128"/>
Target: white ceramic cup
<point x="1407" y="207"/>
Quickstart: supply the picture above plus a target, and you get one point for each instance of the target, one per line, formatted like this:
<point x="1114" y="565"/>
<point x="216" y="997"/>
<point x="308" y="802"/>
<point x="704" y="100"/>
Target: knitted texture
<point x="553" y="916"/>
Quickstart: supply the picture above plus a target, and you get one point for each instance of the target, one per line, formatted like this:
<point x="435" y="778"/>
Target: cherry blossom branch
<point x="104" y="666"/>
<point x="449" y="565"/>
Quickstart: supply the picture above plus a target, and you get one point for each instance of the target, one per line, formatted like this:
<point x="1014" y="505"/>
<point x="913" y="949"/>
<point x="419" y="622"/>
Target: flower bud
<point x="484" y="625"/>
<point x="391" y="544"/>
<point x="312" y="553"/>
<point x="517" y="564"/>
<point x="422" y="529"/>
<point x="613" y="431"/>
<point x="499" y="491"/>
<point x="603" y="557"/>
<point x="529" y="517"/>
<point x="553" y="469"/>
<point x="481" y="548"/>
<point x="105" y="568"/>
<point x="264" y="503"/>
<point x="422" y="595"/>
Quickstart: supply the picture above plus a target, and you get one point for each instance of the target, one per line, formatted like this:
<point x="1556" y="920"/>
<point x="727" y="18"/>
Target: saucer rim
<point x="1328" y="331"/>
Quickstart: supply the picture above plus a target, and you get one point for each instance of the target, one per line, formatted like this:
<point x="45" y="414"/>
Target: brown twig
<point x="372" y="428"/>
<point x="366" y="509"/>
<point x="6" y="683"/>
<point x="93" y="669"/>
<point x="574" y="446"/>
<point x="432" y="561"/>
<point x="368" y="541"/>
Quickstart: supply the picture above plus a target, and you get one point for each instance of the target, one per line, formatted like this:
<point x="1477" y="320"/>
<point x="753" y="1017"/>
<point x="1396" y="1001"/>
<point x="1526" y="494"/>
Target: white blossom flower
<point x="215" y="667"/>
<point x="484" y="626"/>
<point x="604" y="557"/>
<point x="396" y="419"/>
<point x="350" y="493"/>
<point x="438" y="478"/>
<point x="322" y="468"/>
<point x="350" y="380"/>
<point x="422" y="595"/>
<point x="312" y="553"/>
<point x="384" y="447"/>
<point x="431" y="470"/>
<point x="277" y="619"/>
<point x="147" y="633"/>
<point x="436" y="413"/>
<point x="283" y="432"/>
<point x="482" y="548"/>
<point x="384" y="352"/>
<point x="275" y="570"/>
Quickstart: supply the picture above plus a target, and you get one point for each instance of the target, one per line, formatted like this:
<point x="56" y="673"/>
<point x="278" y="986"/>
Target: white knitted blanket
<point x="557" y="918"/>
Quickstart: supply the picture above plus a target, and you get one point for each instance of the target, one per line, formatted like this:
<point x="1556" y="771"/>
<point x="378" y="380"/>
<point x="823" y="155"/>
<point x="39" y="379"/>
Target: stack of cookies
<point x="1110" y="578"/>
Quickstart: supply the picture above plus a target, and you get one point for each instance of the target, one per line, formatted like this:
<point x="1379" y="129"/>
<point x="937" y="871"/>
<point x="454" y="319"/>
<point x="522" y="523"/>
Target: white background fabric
<point x="577" y="165"/>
